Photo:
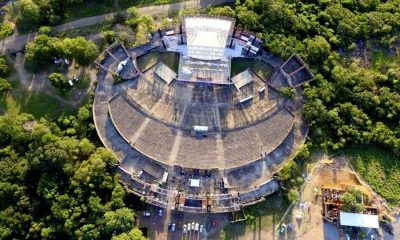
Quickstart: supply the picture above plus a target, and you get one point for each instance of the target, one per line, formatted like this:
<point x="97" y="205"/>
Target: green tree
<point x="318" y="49"/>
<point x="119" y="221"/>
<point x="132" y="18"/>
<point x="222" y="11"/>
<point x="293" y="195"/>
<point x="83" y="51"/>
<point x="353" y="200"/>
<point x="134" y="234"/>
<point x="39" y="53"/>
<point x="4" y="68"/>
<point x="29" y="15"/>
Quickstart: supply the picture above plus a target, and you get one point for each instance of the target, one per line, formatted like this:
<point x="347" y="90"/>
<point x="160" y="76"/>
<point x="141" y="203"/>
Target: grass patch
<point x="148" y="60"/>
<point x="171" y="59"/>
<point x="239" y="64"/>
<point x="88" y="9"/>
<point x="83" y="31"/>
<point x="382" y="60"/>
<point x="18" y="100"/>
<point x="94" y="8"/>
<point x="143" y="3"/>
<point x="266" y="215"/>
<point x="380" y="168"/>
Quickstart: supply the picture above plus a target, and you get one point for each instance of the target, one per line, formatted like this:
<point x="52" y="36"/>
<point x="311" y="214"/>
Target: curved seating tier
<point x="184" y="106"/>
<point x="229" y="149"/>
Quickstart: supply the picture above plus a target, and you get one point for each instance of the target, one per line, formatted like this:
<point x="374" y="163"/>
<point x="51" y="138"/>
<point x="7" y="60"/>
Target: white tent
<point x="359" y="220"/>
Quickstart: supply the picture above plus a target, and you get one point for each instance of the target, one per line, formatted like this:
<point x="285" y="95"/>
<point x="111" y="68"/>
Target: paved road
<point x="15" y="43"/>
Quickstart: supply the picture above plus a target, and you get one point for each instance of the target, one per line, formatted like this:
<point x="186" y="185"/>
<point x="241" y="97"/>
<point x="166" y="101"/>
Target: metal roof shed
<point x="359" y="220"/>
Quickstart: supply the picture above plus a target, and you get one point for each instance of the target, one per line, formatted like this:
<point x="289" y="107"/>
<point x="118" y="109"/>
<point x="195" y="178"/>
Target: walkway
<point x="17" y="42"/>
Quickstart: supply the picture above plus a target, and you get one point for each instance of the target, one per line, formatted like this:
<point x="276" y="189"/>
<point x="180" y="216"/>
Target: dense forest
<point x="55" y="185"/>
<point x="351" y="102"/>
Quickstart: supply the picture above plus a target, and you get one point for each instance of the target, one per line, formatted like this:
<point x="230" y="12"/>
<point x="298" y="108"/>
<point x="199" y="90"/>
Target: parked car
<point x="184" y="228"/>
<point x="201" y="228"/>
<point x="373" y="237"/>
<point x="147" y="214"/>
<point x="173" y="227"/>
<point x="282" y="229"/>
<point x="196" y="228"/>
<point x="189" y="226"/>
<point x="193" y="226"/>
<point x="160" y="212"/>
<point x="169" y="226"/>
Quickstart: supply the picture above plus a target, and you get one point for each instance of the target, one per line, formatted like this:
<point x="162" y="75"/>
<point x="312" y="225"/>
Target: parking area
<point x="175" y="225"/>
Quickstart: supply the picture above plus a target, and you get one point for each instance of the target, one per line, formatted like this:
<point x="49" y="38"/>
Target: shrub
<point x="4" y="85"/>
<point x="45" y="30"/>
<point x="58" y="80"/>
<point x="6" y="29"/>
<point x="287" y="92"/>
<point x="4" y="68"/>
<point x="293" y="195"/>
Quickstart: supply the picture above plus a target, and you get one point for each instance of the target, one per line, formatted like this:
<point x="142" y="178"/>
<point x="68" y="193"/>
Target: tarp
<point x="359" y="220"/>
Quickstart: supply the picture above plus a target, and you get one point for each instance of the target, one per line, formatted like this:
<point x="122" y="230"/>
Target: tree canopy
<point x="41" y="51"/>
<point x="57" y="186"/>
<point x="348" y="103"/>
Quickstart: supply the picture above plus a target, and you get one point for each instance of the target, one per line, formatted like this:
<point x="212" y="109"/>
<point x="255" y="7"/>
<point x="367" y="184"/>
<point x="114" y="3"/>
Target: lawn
<point x="148" y="60"/>
<point x="380" y="168"/>
<point x="19" y="100"/>
<point x="266" y="215"/>
<point x="88" y="9"/>
<point x="143" y="3"/>
<point x="171" y="60"/>
<point x="261" y="68"/>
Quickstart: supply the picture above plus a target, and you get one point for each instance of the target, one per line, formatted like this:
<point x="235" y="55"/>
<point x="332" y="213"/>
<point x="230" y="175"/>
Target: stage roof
<point x="207" y="37"/>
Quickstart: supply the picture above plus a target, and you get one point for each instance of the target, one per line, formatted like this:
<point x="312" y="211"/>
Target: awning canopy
<point x="242" y="79"/>
<point x="200" y="128"/>
<point x="165" y="177"/>
<point x="359" y="220"/>
<point x="194" y="182"/>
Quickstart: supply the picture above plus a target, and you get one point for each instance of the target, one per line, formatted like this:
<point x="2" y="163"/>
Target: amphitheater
<point x="195" y="117"/>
